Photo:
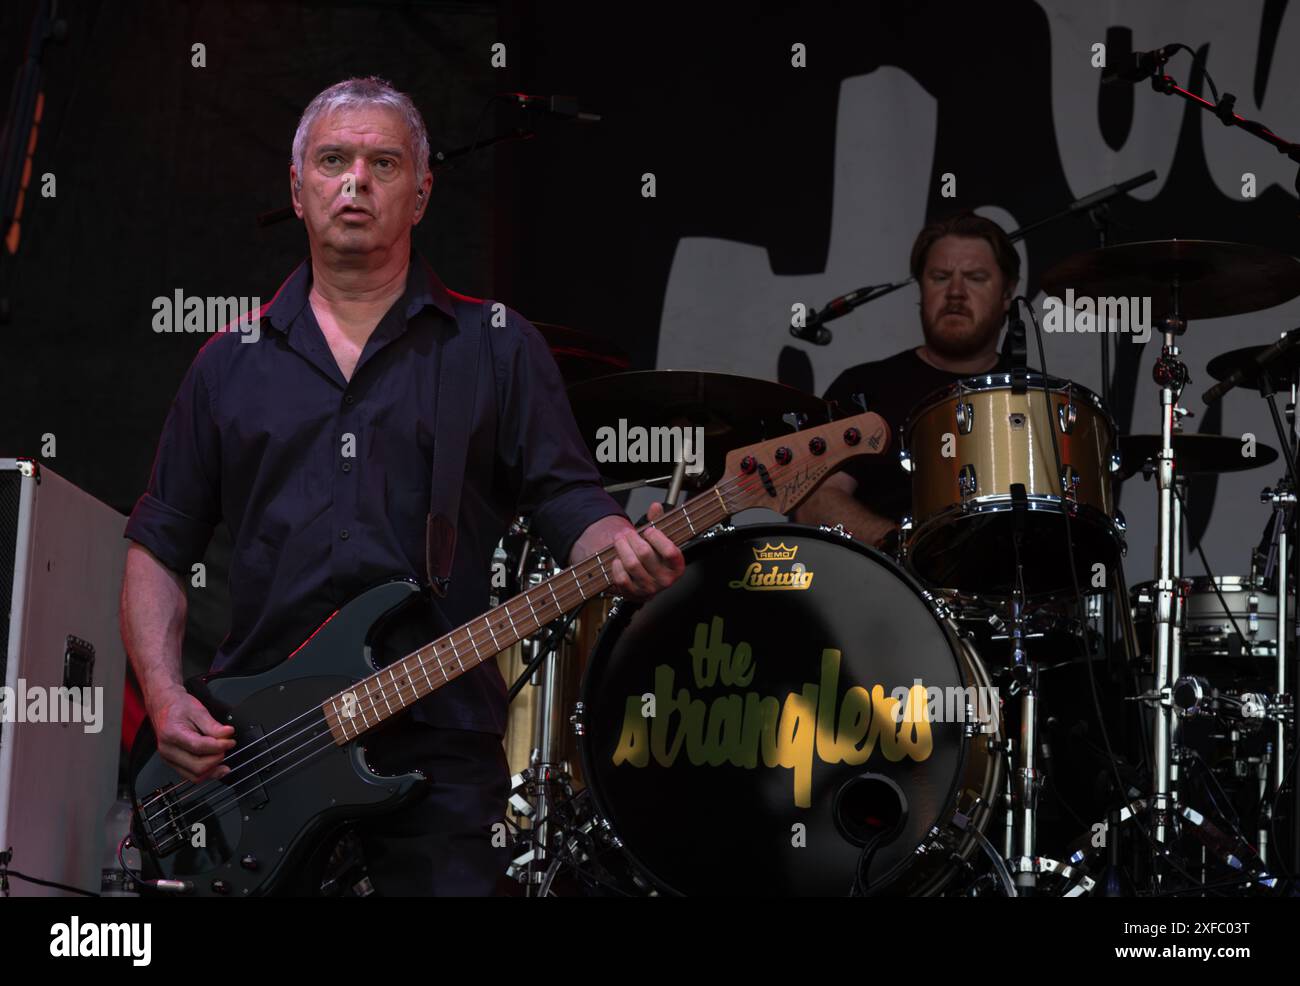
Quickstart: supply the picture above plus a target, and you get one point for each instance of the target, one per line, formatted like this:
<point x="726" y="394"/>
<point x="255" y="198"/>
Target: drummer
<point x="967" y="269"/>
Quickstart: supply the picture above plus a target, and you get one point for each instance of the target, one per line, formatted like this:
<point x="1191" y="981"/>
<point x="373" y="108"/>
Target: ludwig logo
<point x="775" y="578"/>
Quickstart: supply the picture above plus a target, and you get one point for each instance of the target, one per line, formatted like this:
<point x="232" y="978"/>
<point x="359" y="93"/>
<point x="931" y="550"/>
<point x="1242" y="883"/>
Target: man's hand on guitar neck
<point x="645" y="564"/>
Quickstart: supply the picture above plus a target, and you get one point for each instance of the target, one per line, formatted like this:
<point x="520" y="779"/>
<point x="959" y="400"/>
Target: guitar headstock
<point x="783" y="472"/>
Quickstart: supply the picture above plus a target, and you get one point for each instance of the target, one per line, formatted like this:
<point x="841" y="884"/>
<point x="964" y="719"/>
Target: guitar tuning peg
<point x="795" y="419"/>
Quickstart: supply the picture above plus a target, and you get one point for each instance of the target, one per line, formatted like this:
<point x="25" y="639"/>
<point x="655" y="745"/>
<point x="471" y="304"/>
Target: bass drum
<point x="725" y="721"/>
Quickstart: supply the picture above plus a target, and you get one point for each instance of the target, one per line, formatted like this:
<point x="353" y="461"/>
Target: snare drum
<point x="1207" y="626"/>
<point x="986" y="494"/>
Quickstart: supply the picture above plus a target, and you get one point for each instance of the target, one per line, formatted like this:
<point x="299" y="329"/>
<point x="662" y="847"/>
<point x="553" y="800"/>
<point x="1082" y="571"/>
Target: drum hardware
<point x="672" y="813"/>
<point x="963" y="823"/>
<point x="1203" y="280"/>
<point x="995" y="439"/>
<point x="539" y="791"/>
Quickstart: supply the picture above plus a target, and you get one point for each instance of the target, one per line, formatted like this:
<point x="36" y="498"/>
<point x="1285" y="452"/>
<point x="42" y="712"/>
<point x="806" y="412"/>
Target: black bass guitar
<point x="299" y="770"/>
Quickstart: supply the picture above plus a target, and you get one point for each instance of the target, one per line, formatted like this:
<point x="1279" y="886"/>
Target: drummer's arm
<point x="834" y="503"/>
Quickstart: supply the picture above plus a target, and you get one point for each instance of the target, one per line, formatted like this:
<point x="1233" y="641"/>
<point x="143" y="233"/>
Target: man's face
<point x="372" y="144"/>
<point x="964" y="296"/>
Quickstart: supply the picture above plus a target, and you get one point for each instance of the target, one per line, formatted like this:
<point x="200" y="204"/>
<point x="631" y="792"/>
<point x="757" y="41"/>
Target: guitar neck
<point x="391" y="690"/>
<point x="779" y="473"/>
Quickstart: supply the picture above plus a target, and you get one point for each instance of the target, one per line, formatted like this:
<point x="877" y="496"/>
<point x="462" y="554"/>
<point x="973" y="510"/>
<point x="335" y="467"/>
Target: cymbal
<point x="581" y="355"/>
<point x="732" y="411"/>
<point x="1280" y="370"/>
<point x="1214" y="278"/>
<point x="1193" y="454"/>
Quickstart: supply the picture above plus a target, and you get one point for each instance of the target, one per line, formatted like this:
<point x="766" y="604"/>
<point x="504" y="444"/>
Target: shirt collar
<point x="423" y="288"/>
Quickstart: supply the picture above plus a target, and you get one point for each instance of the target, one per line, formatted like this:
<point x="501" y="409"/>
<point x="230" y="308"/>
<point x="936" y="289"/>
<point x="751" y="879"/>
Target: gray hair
<point x="370" y="91"/>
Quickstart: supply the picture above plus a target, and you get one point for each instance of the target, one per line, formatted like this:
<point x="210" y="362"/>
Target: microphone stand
<point x="1223" y="109"/>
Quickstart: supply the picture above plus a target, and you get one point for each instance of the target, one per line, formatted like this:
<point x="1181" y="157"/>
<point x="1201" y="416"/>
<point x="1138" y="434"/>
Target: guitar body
<point x="264" y="827"/>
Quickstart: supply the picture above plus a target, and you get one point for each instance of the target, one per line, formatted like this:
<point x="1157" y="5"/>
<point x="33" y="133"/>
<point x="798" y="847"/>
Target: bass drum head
<point x="722" y="717"/>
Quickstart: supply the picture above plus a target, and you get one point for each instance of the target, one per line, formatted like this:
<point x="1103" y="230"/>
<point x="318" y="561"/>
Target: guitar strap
<point x="454" y="407"/>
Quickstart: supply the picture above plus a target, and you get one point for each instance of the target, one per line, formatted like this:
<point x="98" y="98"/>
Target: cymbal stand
<point x="1028" y="779"/>
<point x="1283" y="499"/>
<point x="545" y="784"/>
<point x="1170" y="373"/>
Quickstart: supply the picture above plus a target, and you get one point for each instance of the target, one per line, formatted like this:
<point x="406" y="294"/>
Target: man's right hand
<point x="189" y="739"/>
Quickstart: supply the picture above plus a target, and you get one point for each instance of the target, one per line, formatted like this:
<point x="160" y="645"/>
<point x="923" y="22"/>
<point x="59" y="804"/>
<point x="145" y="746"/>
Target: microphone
<point x="813" y="331"/>
<point x="1138" y="65"/>
<point x="1241" y="374"/>
<point x="1114" y="191"/>
<point x="562" y="106"/>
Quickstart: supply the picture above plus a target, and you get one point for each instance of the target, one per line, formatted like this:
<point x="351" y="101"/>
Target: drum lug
<point x="933" y="841"/>
<point x="965" y="417"/>
<point x="937" y="604"/>
<point x="905" y="459"/>
<point x="576" y="719"/>
<point x="966" y="482"/>
<point x="1070" y="482"/>
<point x="837" y="529"/>
<point x="610" y="835"/>
<point x="1066" y="416"/>
<point x="1115" y="461"/>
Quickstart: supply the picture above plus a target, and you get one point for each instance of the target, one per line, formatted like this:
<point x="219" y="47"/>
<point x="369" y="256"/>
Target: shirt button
<point x="347" y="467"/>
<point x="349" y="399"/>
<point x="344" y="534"/>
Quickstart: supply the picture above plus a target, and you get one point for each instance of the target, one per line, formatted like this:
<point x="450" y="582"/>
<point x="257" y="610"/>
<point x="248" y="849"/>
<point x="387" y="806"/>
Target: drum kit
<point x="801" y="714"/>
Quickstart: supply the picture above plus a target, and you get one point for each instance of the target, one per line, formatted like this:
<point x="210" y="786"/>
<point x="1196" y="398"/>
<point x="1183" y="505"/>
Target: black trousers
<point x="452" y="842"/>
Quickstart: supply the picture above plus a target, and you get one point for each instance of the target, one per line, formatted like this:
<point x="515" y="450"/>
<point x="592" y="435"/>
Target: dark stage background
<point x="161" y="168"/>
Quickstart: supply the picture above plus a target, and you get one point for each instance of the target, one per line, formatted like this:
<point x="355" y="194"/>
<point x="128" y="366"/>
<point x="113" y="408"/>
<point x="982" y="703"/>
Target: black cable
<point x="862" y="875"/>
<point x="47" y="883"/>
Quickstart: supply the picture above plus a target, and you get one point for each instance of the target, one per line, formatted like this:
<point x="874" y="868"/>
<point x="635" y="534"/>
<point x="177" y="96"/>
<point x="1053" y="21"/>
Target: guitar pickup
<point x="256" y="752"/>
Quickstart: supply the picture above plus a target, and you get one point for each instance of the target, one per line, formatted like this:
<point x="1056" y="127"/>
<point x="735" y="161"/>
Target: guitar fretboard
<point x="392" y="689"/>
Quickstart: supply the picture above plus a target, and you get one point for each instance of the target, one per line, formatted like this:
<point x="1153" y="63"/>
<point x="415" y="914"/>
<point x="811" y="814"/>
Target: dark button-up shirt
<point x="325" y="482"/>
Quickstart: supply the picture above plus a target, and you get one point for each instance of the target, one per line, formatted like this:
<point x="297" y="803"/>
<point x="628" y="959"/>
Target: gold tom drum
<point x="986" y="493"/>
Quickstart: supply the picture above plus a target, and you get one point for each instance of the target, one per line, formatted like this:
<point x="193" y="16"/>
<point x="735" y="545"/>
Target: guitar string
<point x="677" y="524"/>
<point x="232" y="792"/>
<point x="746" y="483"/>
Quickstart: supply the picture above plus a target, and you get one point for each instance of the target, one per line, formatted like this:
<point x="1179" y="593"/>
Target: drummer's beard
<point x="959" y="336"/>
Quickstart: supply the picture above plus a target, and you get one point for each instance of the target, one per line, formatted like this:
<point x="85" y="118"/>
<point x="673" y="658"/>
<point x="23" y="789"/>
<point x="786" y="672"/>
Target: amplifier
<point x="62" y="664"/>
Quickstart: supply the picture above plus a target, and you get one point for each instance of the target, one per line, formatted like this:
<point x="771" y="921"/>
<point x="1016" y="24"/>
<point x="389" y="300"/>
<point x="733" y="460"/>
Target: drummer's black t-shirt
<point x="892" y="387"/>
